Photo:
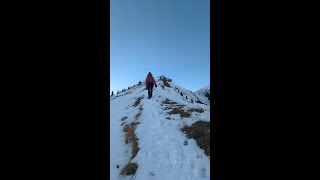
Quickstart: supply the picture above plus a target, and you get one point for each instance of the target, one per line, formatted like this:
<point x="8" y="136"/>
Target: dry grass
<point x="174" y="105"/>
<point x="137" y="101"/>
<point x="199" y="110"/>
<point x="165" y="82"/>
<point x="180" y="111"/>
<point x="167" y="101"/>
<point x="129" y="169"/>
<point x="200" y="131"/>
<point x="167" y="108"/>
<point x="137" y="115"/>
<point x="129" y="130"/>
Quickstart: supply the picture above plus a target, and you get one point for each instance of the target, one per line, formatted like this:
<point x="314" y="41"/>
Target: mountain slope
<point x="203" y="94"/>
<point x="146" y="133"/>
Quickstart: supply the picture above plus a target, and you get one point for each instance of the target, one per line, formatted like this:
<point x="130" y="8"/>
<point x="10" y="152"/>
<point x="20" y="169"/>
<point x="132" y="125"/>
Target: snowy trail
<point x="162" y="154"/>
<point x="161" y="151"/>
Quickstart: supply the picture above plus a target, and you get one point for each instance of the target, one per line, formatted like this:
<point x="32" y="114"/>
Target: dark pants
<point x="150" y="88"/>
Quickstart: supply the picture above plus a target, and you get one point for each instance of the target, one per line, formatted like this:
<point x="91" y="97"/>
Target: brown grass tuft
<point x="165" y="82"/>
<point x="137" y="115"/>
<point x="137" y="101"/>
<point x="130" y="137"/>
<point x="199" y="110"/>
<point x="129" y="130"/>
<point x="167" y="101"/>
<point x="167" y="108"/>
<point x="200" y="131"/>
<point x="180" y="111"/>
<point x="129" y="169"/>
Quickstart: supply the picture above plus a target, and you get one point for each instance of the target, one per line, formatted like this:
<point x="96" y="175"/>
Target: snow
<point x="162" y="154"/>
<point x="200" y="94"/>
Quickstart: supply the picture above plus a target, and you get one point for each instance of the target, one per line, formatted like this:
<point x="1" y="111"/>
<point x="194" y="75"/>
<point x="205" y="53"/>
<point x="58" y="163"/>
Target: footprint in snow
<point x="199" y="156"/>
<point x="192" y="166"/>
<point x="202" y="173"/>
<point x="185" y="142"/>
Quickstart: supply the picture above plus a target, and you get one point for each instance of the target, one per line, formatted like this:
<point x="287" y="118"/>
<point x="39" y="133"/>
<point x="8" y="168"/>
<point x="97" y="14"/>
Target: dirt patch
<point x="180" y="111"/>
<point x="200" y="131"/>
<point x="137" y="101"/>
<point x="129" y="169"/>
<point x="199" y="110"/>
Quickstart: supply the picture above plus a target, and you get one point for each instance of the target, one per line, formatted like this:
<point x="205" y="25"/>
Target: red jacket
<point x="150" y="79"/>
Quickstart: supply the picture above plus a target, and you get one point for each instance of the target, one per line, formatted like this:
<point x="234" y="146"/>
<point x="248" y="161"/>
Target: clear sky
<point x="164" y="37"/>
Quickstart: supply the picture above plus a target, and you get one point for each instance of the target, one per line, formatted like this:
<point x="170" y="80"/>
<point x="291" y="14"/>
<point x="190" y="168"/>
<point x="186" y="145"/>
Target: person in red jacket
<point x="149" y="84"/>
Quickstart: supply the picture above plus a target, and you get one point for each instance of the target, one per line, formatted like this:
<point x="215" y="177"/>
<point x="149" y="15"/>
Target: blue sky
<point x="164" y="37"/>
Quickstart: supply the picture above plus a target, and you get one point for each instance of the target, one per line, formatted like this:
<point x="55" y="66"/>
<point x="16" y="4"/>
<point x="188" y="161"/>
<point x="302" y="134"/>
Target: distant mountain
<point x="165" y="137"/>
<point x="204" y="94"/>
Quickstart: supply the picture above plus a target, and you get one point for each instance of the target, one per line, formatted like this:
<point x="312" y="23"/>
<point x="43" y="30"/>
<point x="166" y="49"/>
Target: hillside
<point x="203" y="94"/>
<point x="165" y="137"/>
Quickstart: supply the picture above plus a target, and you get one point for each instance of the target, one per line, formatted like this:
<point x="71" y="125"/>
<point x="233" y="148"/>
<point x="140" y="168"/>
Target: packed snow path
<point x="162" y="153"/>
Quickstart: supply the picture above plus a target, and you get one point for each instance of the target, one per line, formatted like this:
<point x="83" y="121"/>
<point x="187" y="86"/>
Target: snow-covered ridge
<point x="203" y="94"/>
<point x="163" y="151"/>
<point x="196" y="97"/>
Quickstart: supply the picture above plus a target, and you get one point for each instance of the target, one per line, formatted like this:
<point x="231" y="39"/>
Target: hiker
<point x="149" y="84"/>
